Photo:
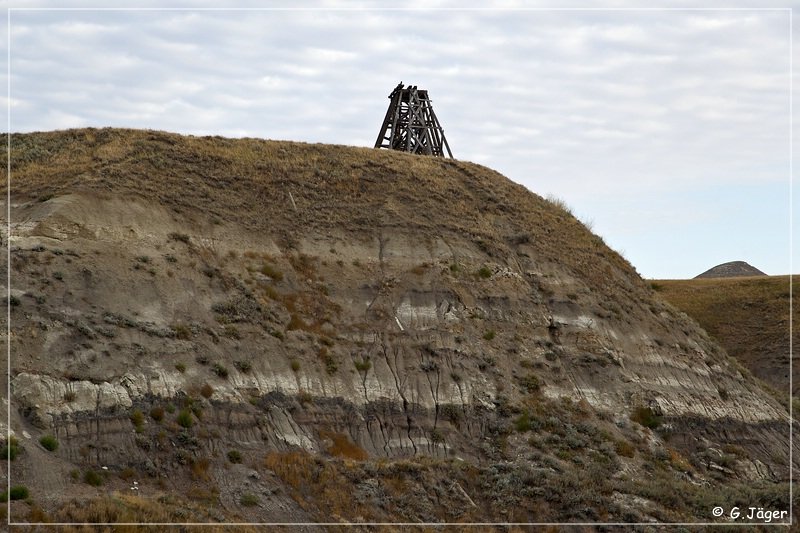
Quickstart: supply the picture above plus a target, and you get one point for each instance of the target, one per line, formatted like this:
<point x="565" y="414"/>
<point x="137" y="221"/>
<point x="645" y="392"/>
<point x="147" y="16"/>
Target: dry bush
<point x="342" y="446"/>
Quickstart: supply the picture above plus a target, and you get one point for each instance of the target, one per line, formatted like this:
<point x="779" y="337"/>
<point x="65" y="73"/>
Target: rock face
<point x="731" y="270"/>
<point x="439" y="341"/>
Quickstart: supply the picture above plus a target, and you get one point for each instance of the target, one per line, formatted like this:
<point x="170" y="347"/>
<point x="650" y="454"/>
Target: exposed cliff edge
<point x="436" y="338"/>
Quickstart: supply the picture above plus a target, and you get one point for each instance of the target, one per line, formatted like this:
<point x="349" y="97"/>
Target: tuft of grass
<point x="484" y="272"/>
<point x="185" y="419"/>
<point x="180" y="367"/>
<point x="295" y="365"/>
<point x="489" y="335"/>
<point x="49" y="443"/>
<point x="248" y="500"/>
<point x="234" y="456"/>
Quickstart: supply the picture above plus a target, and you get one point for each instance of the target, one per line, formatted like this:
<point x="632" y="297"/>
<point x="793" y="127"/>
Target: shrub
<point x="58" y="275"/>
<point x="220" y="370"/>
<point x="248" y="499"/>
<point x="271" y="272"/>
<point x="182" y="237"/>
<point x="70" y="396"/>
<point x="206" y="391"/>
<point x="523" y="422"/>
<point x="17" y="492"/>
<point x="232" y="332"/>
<point x="489" y="335"/>
<point x="646" y="417"/>
<point x="10" y="450"/>
<point x="49" y="443"/>
<point x="234" y="456"/>
<point x="363" y="366"/>
<point x="484" y="272"/>
<point x="295" y="364"/>
<point x="92" y="478"/>
<point x="624" y="448"/>
<point x="157" y="413"/>
<point x="137" y="418"/>
<point x="182" y="331"/>
<point x="530" y="383"/>
<point x="185" y="418"/>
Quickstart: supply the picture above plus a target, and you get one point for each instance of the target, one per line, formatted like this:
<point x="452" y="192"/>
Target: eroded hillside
<point x="272" y="331"/>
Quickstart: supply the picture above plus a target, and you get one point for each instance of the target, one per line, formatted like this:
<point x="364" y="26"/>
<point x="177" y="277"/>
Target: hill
<point x="284" y="332"/>
<point x="748" y="316"/>
<point x="732" y="269"/>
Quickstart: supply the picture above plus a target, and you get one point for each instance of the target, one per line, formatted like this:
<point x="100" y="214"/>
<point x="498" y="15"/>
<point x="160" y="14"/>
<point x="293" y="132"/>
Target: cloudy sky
<point x="667" y="130"/>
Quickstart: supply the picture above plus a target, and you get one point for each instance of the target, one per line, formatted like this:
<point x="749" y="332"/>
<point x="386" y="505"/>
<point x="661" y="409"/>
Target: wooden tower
<point x="411" y="125"/>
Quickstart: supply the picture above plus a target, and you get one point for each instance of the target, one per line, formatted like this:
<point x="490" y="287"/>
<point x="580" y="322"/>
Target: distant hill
<point x="734" y="269"/>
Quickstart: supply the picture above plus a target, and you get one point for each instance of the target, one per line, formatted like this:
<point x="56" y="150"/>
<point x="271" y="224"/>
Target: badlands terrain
<point x="215" y="330"/>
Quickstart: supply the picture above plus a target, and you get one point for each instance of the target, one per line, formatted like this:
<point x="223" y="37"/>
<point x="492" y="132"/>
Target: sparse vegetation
<point x="489" y="335"/>
<point x="484" y="272"/>
<point x="234" y="456"/>
<point x="180" y="367"/>
<point x="295" y="365"/>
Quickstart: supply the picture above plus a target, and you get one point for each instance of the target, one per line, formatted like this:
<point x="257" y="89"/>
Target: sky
<point x="667" y="131"/>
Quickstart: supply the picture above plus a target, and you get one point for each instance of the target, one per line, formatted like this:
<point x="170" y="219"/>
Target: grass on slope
<point x="748" y="316"/>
